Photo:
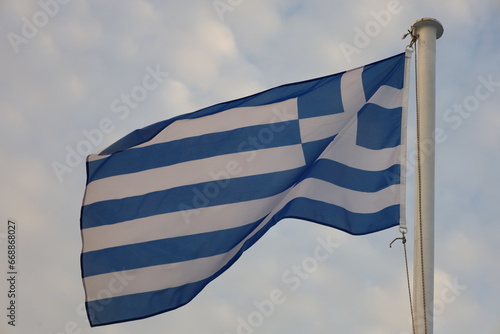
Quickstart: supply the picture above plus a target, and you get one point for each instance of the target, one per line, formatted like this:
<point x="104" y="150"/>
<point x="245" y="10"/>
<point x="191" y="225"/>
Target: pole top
<point x="428" y="21"/>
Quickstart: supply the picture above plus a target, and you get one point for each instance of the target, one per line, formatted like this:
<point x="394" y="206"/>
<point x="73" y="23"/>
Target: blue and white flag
<point x="170" y="207"/>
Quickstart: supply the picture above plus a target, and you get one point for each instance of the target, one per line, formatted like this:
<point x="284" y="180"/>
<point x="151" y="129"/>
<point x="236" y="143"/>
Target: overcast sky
<point x="67" y="67"/>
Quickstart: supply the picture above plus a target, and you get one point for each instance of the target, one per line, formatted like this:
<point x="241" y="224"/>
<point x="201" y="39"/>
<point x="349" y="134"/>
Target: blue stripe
<point x="164" y="251"/>
<point x="353" y="178"/>
<point x="142" y="305"/>
<point x="193" y="148"/>
<point x="324" y="98"/>
<point x="379" y="128"/>
<point x="188" y="197"/>
<point x="388" y="72"/>
<point x="340" y="218"/>
<point x="312" y="150"/>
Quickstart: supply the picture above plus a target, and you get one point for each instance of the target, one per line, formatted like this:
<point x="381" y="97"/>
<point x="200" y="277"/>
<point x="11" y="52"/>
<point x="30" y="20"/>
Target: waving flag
<point x="170" y="207"/>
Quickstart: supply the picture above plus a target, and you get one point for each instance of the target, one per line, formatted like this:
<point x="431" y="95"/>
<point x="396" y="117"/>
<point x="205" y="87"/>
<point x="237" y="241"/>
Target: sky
<point x="67" y="67"/>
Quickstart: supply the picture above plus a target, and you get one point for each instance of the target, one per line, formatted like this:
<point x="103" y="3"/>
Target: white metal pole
<point x="428" y="31"/>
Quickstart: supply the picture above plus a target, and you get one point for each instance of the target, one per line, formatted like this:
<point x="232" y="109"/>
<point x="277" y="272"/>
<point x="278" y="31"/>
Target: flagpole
<point x="428" y="30"/>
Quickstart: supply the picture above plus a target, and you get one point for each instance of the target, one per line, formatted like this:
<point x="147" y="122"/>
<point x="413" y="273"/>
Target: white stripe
<point x="352" y="90"/>
<point x="177" y="274"/>
<point x="344" y="150"/>
<point x="218" y="169"/>
<point x="152" y="278"/>
<point x="404" y="147"/>
<point x="176" y="224"/>
<point x="317" y="128"/>
<point x="388" y="97"/>
<point x="354" y="201"/>
<point x="227" y="120"/>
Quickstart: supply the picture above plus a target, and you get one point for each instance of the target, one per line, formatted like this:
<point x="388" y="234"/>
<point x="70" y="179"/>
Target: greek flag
<point x="170" y="207"/>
